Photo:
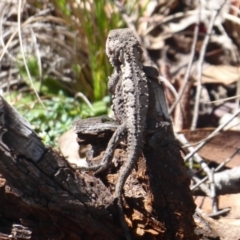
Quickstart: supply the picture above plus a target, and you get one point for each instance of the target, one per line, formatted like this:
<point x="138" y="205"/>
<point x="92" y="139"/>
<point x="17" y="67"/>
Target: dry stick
<point x="187" y="74"/>
<point x="218" y="213"/>
<point x="199" y="160"/>
<point x="217" y="169"/>
<point x="23" y="54"/>
<point x="169" y="18"/>
<point x="2" y="22"/>
<point x="169" y="85"/>
<point x="187" y="14"/>
<point x="210" y="175"/>
<point x="203" y="187"/>
<point x="124" y="15"/>
<point x="234" y="54"/>
<point x="217" y="130"/>
<point x="132" y="27"/>
<point x="85" y="99"/>
<point x="31" y="19"/>
<point x="223" y="99"/>
<point x="232" y="18"/>
<point x="199" y="67"/>
<point x="234" y="8"/>
<point x="202" y="213"/>
<point x="200" y="64"/>
<point x="213" y="192"/>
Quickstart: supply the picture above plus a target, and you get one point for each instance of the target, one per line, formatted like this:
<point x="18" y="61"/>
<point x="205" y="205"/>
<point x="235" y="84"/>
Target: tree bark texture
<point x="43" y="197"/>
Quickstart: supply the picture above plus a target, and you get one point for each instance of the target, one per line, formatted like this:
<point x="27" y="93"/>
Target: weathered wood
<point x="47" y="195"/>
<point x="158" y="202"/>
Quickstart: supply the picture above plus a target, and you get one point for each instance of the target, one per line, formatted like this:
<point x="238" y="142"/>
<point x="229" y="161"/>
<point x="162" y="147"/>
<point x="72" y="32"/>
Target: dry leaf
<point x="220" y="74"/>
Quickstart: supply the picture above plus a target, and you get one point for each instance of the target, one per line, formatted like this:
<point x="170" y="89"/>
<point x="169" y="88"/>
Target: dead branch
<point x="51" y="197"/>
<point x="43" y="195"/>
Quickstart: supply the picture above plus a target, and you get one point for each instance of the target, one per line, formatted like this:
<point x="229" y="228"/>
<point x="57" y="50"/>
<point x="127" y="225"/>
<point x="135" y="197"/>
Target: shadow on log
<point x="43" y="197"/>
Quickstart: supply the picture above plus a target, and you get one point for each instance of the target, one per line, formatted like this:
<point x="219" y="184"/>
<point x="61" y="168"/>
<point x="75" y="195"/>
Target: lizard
<point x="130" y="85"/>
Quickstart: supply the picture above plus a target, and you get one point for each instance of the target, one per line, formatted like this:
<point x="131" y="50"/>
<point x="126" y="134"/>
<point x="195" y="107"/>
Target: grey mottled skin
<point x="129" y="86"/>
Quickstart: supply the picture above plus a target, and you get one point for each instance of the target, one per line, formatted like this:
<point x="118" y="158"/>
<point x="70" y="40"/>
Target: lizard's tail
<point x="133" y="153"/>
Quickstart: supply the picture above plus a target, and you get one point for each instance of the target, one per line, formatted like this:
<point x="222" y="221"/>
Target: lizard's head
<point x="117" y="42"/>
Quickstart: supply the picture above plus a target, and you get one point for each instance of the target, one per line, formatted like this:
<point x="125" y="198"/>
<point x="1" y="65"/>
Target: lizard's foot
<point x="104" y="165"/>
<point x="118" y="135"/>
<point x="90" y="168"/>
<point x="99" y="167"/>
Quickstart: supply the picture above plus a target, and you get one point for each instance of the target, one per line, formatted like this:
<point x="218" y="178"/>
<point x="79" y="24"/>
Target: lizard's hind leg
<point x="118" y="135"/>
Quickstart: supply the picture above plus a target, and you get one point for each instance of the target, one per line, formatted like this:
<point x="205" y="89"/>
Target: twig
<point x="232" y="18"/>
<point x="84" y="98"/>
<point x="192" y="54"/>
<point x="219" y="167"/>
<point x="200" y="64"/>
<point x="234" y="8"/>
<point x="182" y="139"/>
<point x="203" y="187"/>
<point x="31" y="19"/>
<point x="23" y="54"/>
<point x="218" y="213"/>
<point x="169" y="85"/>
<point x="188" y="14"/>
<point x="2" y="32"/>
<point x="213" y="192"/>
<point x="223" y="99"/>
<point x="124" y="15"/>
<point x="197" y="157"/>
<point x="133" y="28"/>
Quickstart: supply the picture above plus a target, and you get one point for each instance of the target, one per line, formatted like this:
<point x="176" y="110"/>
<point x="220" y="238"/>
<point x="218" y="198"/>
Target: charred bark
<point x="42" y="196"/>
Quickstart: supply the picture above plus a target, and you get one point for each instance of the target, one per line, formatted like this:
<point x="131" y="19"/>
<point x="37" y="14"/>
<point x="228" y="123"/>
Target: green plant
<point x="60" y="109"/>
<point x="92" y="20"/>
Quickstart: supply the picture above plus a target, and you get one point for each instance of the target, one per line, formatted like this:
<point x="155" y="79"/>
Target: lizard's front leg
<point x="112" y="81"/>
<point x="114" y="78"/>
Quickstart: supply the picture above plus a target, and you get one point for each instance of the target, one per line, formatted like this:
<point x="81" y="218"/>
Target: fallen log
<point x="43" y="197"/>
